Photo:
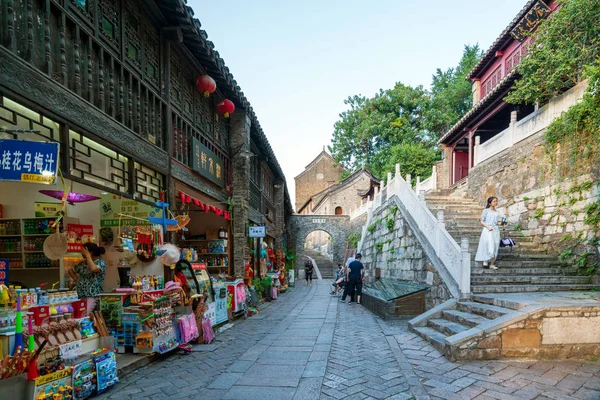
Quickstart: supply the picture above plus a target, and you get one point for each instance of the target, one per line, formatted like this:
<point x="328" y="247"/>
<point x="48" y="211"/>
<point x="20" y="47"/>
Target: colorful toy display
<point x="84" y="380"/>
<point x="106" y="371"/>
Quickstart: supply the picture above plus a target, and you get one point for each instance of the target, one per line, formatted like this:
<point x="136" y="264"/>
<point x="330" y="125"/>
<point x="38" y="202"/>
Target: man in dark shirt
<point x="354" y="276"/>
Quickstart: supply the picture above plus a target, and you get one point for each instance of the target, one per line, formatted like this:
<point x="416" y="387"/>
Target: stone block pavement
<point x="308" y="345"/>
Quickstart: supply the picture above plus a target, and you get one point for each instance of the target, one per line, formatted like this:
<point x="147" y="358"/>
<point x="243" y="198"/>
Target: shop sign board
<point x="257" y="231"/>
<point x="46" y="209"/>
<point x="211" y="313"/>
<point x="77" y="238"/>
<point x="71" y="350"/>
<point x="4" y="263"/>
<point x="206" y="163"/>
<point x="112" y="205"/>
<point x="28" y="161"/>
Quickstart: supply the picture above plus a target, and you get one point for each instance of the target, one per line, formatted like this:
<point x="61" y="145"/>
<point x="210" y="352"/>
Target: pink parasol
<point x="72" y="198"/>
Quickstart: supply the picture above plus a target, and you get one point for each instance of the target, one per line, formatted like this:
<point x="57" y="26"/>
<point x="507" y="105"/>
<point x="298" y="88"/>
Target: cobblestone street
<point x="308" y="345"/>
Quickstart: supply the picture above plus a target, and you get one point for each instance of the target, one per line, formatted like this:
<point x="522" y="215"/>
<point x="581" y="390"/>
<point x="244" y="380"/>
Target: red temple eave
<point x="460" y="129"/>
<point x="502" y="40"/>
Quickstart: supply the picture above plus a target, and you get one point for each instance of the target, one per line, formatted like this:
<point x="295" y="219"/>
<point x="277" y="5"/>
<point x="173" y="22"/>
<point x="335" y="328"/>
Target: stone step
<point x="524" y="271"/>
<point x="516" y="264"/>
<point x="446" y="327"/>
<point x="464" y="318"/>
<point x="528" y="279"/>
<point x="435" y="338"/>
<point x="529" y="288"/>
<point x="484" y="310"/>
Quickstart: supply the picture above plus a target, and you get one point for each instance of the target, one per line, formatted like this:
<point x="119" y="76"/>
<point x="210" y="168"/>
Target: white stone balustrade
<point x="428" y="184"/>
<point x="528" y="126"/>
<point x="455" y="259"/>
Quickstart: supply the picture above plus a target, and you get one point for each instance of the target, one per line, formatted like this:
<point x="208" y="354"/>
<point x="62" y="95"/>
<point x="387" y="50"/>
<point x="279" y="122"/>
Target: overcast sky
<point x="296" y="61"/>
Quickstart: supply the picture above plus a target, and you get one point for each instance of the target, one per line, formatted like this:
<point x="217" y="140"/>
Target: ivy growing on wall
<point x="566" y="51"/>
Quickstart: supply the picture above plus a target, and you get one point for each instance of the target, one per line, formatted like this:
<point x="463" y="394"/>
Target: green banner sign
<point x="207" y="164"/>
<point x="112" y="205"/>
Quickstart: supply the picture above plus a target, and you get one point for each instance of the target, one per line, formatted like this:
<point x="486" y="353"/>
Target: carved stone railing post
<point x="441" y="227"/>
<point x="418" y="185"/>
<point x="421" y="196"/>
<point x="465" y="271"/>
<point x="409" y="180"/>
<point x="397" y="175"/>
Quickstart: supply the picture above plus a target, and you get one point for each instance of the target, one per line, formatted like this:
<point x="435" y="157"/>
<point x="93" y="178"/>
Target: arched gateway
<point x="335" y="225"/>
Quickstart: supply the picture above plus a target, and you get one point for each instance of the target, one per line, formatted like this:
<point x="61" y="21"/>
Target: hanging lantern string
<point x="64" y="199"/>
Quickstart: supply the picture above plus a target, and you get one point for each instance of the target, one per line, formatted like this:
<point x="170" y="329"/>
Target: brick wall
<point x="347" y="197"/>
<point x="316" y="179"/>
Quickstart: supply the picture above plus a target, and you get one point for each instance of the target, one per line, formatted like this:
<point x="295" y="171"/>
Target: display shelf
<point x="11" y="252"/>
<point x="213" y="254"/>
<point x="33" y="252"/>
<point x="9" y="236"/>
<point x="10" y="219"/>
<point x="35" y="269"/>
<point x="37" y="234"/>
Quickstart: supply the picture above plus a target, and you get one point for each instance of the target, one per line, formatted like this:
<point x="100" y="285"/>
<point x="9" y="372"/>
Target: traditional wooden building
<point x="478" y="135"/>
<point x="114" y="81"/>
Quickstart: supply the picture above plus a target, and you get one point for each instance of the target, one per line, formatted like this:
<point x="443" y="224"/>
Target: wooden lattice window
<point x="98" y="164"/>
<point x="148" y="183"/>
<point x="110" y="21"/>
<point x="14" y="116"/>
<point x="491" y="82"/>
<point x="133" y="42"/>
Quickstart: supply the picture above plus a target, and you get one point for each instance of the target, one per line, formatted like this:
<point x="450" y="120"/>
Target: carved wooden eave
<point x="458" y="130"/>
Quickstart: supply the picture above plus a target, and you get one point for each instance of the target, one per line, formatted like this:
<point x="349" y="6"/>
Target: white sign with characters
<point x="257" y="231"/>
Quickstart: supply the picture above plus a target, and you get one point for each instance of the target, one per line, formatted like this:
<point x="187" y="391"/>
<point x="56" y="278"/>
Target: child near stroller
<point x="340" y="281"/>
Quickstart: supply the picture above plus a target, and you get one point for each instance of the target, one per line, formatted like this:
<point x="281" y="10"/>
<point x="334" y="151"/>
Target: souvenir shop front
<point x="56" y="343"/>
<point x="206" y="246"/>
<point x="266" y="267"/>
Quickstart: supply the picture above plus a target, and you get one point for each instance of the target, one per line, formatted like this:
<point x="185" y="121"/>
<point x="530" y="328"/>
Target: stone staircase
<point x="324" y="264"/>
<point x="445" y="326"/>
<point x="526" y="268"/>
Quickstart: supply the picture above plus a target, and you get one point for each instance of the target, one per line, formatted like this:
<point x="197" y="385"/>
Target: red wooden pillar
<point x="470" y="165"/>
<point x="451" y="161"/>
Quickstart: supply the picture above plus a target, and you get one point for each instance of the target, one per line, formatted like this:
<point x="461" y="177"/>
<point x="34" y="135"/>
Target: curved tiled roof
<point x="490" y="54"/>
<point x="178" y="13"/>
<point x="504" y="84"/>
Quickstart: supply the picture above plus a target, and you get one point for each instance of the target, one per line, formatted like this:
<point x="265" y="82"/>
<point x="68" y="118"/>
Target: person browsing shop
<point x="89" y="274"/>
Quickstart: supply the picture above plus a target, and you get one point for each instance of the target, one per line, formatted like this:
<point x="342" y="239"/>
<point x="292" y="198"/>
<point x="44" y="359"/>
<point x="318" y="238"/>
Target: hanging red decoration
<point x="187" y="199"/>
<point x="226" y="107"/>
<point x="206" y="85"/>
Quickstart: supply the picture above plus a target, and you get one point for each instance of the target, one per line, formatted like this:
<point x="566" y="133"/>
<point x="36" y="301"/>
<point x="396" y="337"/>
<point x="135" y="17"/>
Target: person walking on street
<point x="354" y="278"/>
<point x="309" y="268"/>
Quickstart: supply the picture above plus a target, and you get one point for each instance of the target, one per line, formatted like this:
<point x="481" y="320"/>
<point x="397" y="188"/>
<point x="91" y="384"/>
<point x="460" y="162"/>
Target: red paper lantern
<point x="206" y="85"/>
<point x="226" y="107"/>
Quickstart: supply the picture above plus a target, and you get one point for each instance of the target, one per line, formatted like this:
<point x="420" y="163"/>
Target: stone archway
<point x="335" y="225"/>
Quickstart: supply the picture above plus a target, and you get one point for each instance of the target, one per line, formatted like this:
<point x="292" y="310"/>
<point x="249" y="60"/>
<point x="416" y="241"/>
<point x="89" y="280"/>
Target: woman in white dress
<point x="487" y="251"/>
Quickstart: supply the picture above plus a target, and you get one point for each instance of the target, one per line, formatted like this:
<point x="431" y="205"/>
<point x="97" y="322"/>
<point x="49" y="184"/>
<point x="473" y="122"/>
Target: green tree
<point x="565" y="51"/>
<point x="451" y="96"/>
<point x="402" y="124"/>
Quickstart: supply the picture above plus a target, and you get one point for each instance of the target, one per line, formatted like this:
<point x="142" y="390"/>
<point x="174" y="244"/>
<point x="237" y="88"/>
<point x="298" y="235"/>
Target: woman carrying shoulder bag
<point x="487" y="251"/>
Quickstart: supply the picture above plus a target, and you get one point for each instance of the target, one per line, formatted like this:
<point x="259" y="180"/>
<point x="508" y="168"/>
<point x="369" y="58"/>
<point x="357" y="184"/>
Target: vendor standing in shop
<point x="89" y="274"/>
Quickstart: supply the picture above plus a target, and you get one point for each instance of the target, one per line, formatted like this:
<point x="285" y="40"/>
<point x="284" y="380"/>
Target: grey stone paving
<point x="308" y="345"/>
